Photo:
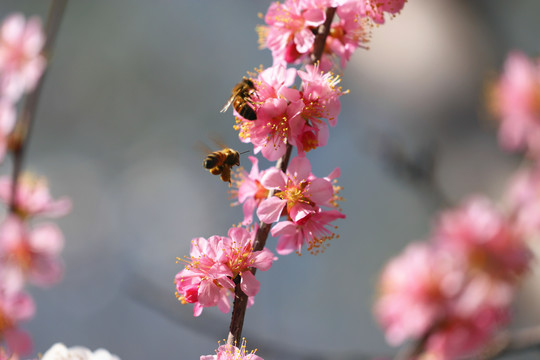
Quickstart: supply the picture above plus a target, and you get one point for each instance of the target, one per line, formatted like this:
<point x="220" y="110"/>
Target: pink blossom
<point x="516" y="100"/>
<point x="485" y="239"/>
<point x="276" y="105"/>
<point x="33" y="197"/>
<point x="315" y="230"/>
<point x="413" y="291"/>
<point x="297" y="192"/>
<point x="289" y="32"/>
<point x="461" y="336"/>
<point x="249" y="190"/>
<point x="375" y="9"/>
<point x="21" y="62"/>
<point x="347" y="34"/>
<point x="215" y="264"/>
<point x="321" y="101"/>
<point x="15" y="307"/>
<point x="31" y="254"/>
<point x="230" y="352"/>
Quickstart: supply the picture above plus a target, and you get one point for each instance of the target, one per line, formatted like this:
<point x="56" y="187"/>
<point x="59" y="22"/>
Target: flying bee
<point x="220" y="163"/>
<point x="241" y="99"/>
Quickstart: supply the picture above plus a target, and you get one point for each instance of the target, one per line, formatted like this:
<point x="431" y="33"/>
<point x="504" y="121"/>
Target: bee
<point x="220" y="163"/>
<point x="241" y="99"/>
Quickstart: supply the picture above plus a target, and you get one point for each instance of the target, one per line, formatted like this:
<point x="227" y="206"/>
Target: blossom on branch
<point x="21" y="61"/>
<point x="297" y="192"/>
<point x="248" y="189"/>
<point x="276" y="105"/>
<point x="15" y="307"/>
<point x="33" y="197"/>
<point x="231" y="352"/>
<point x="455" y="291"/>
<point x="214" y="267"/>
<point x="30" y="253"/>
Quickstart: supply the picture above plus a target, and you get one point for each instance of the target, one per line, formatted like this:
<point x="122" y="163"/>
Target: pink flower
<point x="21" y="62"/>
<point x="315" y="230"/>
<point x="31" y="253"/>
<point x="375" y="9"/>
<point x="321" y="101"/>
<point x="413" y="291"/>
<point x="516" y="100"/>
<point x="15" y="307"/>
<point x="215" y="264"/>
<point x="289" y="32"/>
<point x="276" y="106"/>
<point x="250" y="191"/>
<point x="461" y="336"/>
<point x="33" y="197"/>
<point x="427" y="291"/>
<point x="230" y="352"/>
<point x="484" y="239"/>
<point x="297" y="192"/>
<point x="347" y="34"/>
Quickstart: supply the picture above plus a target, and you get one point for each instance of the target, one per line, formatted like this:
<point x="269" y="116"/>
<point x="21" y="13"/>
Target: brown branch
<point x="240" y="299"/>
<point x="20" y="137"/>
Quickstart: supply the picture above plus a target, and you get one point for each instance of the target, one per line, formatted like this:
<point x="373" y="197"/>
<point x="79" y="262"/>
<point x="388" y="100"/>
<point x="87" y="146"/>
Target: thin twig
<point x="20" y="137"/>
<point x="240" y="299"/>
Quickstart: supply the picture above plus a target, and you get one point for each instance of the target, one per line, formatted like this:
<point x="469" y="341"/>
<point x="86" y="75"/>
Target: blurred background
<point x="136" y="85"/>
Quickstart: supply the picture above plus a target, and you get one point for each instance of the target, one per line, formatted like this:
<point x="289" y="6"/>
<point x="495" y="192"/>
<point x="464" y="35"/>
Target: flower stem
<point x="20" y="136"/>
<point x="241" y="299"/>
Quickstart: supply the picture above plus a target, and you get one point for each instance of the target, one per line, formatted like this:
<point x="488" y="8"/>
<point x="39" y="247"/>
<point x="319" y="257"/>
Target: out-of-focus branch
<point x="20" y="137"/>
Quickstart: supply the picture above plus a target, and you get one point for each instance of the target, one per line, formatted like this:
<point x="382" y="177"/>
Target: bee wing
<point x="218" y="140"/>
<point x="226" y="106"/>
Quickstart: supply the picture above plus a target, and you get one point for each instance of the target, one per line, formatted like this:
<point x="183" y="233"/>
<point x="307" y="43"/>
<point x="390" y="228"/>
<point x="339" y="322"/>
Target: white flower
<point x="60" y="352"/>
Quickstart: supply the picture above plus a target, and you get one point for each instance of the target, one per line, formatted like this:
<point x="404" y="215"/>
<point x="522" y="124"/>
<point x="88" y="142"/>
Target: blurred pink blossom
<point x="21" y="62"/>
<point x="31" y="254"/>
<point x="485" y="239"/>
<point x="414" y="289"/>
<point x="516" y="100"/>
<point x="215" y="264"/>
<point x="33" y="197"/>
<point x="15" y="307"/>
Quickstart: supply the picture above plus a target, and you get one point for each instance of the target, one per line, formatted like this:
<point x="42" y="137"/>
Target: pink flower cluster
<point x="456" y="289"/>
<point x="28" y="253"/>
<point x="291" y="28"/>
<point x="216" y="265"/>
<point x="21" y="66"/>
<point x="231" y="352"/>
<point x="287" y="115"/>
